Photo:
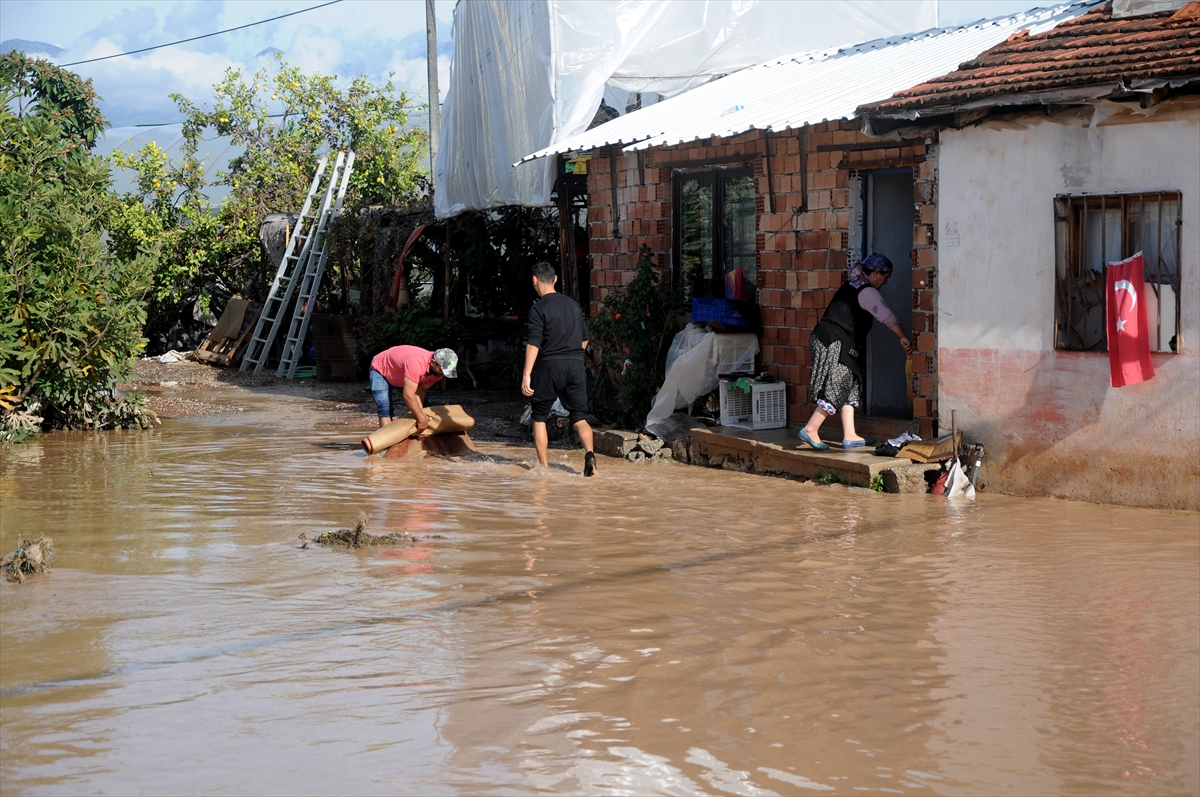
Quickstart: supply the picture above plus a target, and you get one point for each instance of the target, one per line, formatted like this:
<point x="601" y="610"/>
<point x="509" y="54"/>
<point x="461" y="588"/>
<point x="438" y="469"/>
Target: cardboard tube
<point x="442" y="420"/>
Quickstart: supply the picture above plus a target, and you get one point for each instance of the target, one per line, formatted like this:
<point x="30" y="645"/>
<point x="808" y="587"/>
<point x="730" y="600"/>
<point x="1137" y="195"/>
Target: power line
<point x="167" y="124"/>
<point x="205" y="36"/>
<point x="416" y="114"/>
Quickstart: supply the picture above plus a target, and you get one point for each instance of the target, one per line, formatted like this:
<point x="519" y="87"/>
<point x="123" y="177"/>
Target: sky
<point x="372" y="37"/>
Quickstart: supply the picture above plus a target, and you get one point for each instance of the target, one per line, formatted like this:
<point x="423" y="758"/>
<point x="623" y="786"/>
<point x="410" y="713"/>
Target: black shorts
<point x="559" y="379"/>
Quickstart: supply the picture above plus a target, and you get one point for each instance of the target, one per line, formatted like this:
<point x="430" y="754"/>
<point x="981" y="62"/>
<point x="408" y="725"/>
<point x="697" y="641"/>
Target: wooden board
<point x="938" y="450"/>
<point x="228" y="341"/>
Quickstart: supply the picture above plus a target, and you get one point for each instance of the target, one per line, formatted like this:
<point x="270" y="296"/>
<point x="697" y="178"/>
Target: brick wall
<point x="803" y="246"/>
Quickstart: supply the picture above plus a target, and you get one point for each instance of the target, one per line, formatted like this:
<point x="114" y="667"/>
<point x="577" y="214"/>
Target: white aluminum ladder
<point x="310" y="281"/>
<point x="284" y="283"/>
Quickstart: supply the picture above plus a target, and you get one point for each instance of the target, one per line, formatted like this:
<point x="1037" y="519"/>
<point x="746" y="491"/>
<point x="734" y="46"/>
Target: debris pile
<point x="632" y="446"/>
<point x="30" y="558"/>
<point x="359" y="537"/>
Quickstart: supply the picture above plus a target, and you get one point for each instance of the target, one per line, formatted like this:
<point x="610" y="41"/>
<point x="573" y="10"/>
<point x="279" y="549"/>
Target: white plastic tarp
<point x="529" y="73"/>
<point x="694" y="360"/>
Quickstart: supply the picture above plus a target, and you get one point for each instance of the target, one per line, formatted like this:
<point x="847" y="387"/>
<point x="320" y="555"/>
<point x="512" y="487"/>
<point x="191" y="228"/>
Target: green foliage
<point x="412" y="326"/>
<point x="633" y="332"/>
<point x="71" y="312"/>
<point x="37" y="88"/>
<point x="877" y="483"/>
<point x="275" y="169"/>
<point x="826" y="478"/>
<point x="168" y="211"/>
<point x="204" y="249"/>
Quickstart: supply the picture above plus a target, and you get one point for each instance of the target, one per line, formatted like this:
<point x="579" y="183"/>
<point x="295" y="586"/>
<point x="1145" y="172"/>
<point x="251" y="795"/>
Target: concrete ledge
<point x="775" y="453"/>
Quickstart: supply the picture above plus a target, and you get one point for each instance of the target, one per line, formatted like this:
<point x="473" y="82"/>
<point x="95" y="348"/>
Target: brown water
<point x="655" y="630"/>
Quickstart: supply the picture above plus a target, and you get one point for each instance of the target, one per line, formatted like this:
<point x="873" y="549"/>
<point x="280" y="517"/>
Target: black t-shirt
<point x="556" y="327"/>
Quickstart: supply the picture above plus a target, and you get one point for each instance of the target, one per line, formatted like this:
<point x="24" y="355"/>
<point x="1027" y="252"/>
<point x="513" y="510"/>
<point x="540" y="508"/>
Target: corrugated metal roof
<point x="811" y="87"/>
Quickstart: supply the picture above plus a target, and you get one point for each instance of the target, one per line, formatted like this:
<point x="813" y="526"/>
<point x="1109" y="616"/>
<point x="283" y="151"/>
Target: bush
<point x="633" y="332"/>
<point x="211" y="252"/>
<point x="410" y="326"/>
<point x="71" y="312"/>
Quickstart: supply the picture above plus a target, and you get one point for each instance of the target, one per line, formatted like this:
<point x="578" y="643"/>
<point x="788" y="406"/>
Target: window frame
<point x="1071" y="212"/>
<point x="718" y="175"/>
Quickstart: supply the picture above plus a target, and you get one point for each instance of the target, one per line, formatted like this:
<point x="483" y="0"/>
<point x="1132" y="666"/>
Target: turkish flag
<point x="1128" y="332"/>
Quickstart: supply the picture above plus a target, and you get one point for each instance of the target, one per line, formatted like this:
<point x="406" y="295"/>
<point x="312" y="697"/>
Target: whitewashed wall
<point x="1052" y="424"/>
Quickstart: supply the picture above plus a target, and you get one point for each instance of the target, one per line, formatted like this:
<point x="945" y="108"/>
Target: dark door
<point x="889" y="230"/>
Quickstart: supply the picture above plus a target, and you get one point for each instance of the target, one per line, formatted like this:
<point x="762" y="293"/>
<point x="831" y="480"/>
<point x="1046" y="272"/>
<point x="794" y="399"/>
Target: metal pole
<point x="446" y="276"/>
<point x="435" y="112"/>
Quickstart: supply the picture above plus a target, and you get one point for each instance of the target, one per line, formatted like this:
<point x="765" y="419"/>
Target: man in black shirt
<point x="554" y="346"/>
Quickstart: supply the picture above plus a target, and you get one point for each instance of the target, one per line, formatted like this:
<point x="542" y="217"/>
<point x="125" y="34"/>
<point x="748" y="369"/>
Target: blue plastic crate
<point x="720" y="311"/>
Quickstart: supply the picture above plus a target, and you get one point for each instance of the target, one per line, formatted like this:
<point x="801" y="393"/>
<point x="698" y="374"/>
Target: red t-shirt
<point x="405" y="362"/>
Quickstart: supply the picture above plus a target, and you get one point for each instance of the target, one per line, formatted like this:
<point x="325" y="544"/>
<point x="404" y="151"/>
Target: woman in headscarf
<point x="839" y="344"/>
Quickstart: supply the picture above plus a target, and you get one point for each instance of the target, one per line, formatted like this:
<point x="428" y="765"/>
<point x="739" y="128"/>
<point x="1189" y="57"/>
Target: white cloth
<point x="904" y="437"/>
<point x="695" y="358"/>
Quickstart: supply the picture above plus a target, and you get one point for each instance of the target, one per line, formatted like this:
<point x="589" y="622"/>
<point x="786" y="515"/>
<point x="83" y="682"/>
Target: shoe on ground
<point x="589" y="464"/>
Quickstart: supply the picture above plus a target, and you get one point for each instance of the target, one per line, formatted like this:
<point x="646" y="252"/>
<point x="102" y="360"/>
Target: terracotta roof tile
<point x="1092" y="49"/>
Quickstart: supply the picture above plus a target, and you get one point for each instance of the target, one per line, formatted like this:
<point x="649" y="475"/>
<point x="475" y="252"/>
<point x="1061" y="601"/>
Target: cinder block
<point x="908" y="478"/>
<point x="650" y="445"/>
<point x="614" y="442"/>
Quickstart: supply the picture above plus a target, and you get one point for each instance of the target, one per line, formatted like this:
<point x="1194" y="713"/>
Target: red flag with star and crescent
<point x="1128" y="333"/>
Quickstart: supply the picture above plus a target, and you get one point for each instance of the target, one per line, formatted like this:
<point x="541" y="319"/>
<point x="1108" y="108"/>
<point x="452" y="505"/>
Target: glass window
<point x="695" y="224"/>
<point x="715" y="229"/>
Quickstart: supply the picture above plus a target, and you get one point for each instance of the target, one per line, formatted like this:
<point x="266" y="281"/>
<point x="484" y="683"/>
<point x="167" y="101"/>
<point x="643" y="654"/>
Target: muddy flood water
<point x="660" y="629"/>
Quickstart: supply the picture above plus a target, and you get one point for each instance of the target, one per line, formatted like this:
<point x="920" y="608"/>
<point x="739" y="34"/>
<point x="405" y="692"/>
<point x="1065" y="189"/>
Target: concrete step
<point x="780" y="452"/>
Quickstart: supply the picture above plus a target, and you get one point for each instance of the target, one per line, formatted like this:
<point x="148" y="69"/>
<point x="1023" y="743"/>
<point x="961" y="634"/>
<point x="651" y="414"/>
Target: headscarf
<point x="875" y="262"/>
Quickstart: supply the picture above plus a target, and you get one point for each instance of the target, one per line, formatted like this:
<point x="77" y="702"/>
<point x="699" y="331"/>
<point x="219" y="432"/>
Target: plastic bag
<point x="957" y="482"/>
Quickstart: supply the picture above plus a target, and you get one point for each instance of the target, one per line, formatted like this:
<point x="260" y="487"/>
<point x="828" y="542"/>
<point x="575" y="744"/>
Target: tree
<point x="205" y="249"/>
<point x="71" y="312"/>
<point x="633" y="333"/>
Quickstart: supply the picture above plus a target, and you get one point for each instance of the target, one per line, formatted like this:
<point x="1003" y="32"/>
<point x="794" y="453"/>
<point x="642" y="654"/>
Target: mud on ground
<point x="178" y="390"/>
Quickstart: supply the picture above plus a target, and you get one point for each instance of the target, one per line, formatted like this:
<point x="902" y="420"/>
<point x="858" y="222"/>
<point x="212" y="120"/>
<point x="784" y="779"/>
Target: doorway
<point x="888" y="229"/>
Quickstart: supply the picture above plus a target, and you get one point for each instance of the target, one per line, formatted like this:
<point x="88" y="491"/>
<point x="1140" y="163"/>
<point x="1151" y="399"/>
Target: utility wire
<point x="179" y="122"/>
<point x="205" y="36"/>
<point x="166" y="124"/>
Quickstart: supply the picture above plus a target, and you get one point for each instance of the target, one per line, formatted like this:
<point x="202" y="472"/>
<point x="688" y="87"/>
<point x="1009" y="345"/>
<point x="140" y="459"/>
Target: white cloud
<point x="315" y="53"/>
<point x="351" y="38"/>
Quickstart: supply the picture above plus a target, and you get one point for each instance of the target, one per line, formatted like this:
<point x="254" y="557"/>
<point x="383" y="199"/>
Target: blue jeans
<point x="383" y="394"/>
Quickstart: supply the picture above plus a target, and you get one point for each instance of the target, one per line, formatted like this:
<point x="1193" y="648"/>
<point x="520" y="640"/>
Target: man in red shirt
<point x="413" y="369"/>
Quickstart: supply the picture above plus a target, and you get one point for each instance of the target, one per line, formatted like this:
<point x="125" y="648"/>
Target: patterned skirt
<point x="833" y="385"/>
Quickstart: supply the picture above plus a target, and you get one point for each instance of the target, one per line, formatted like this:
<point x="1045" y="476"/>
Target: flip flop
<point x="816" y="444"/>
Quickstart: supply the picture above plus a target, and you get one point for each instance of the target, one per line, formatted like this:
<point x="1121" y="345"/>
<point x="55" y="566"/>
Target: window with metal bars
<point x="1093" y="230"/>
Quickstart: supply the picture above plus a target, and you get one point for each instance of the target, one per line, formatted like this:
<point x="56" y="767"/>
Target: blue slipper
<point x="856" y="443"/>
<point x="817" y="444"/>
